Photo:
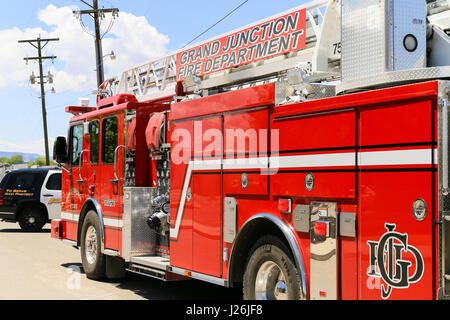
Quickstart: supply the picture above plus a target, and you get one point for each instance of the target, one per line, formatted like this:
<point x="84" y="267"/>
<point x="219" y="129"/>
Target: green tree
<point x="17" y="159"/>
<point x="40" y="162"/>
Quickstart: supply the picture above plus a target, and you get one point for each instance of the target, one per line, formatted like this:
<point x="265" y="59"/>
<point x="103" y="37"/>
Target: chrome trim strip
<point x="290" y="237"/>
<point x="8" y="213"/>
<point x="111" y="252"/>
<point x="70" y="216"/>
<point x="200" y="276"/>
<point x="71" y="242"/>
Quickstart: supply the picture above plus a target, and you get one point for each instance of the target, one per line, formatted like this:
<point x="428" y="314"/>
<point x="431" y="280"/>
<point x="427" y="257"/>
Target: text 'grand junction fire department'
<point x="304" y="156"/>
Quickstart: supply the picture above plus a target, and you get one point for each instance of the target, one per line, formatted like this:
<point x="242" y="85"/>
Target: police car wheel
<point x="270" y="273"/>
<point x="31" y="219"/>
<point x="91" y="256"/>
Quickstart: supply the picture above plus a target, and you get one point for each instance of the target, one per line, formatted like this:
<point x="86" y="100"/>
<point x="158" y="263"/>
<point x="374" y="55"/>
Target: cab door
<point x="73" y="198"/>
<point x="93" y="188"/>
<point x="109" y="178"/>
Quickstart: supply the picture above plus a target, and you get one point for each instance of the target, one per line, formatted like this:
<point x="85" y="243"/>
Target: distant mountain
<point x="27" y="157"/>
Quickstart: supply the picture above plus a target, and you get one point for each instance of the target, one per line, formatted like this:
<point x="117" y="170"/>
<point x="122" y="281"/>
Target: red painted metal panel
<point x="71" y="229"/>
<point x="406" y="123"/>
<point x="207" y="226"/>
<point x="332" y="185"/>
<point x="391" y="240"/>
<point x="322" y="131"/>
<point x="206" y="194"/>
<point x="181" y="241"/>
<point x="246" y="136"/>
<point x="329" y="136"/>
<point x="396" y="250"/>
<point x="263" y="95"/>
<point x="113" y="238"/>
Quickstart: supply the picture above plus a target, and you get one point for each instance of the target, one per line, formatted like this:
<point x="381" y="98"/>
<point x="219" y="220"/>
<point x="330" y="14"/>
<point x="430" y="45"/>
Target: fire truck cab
<point x="295" y="161"/>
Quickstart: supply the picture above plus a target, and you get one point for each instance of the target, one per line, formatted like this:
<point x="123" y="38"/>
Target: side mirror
<point x="60" y="150"/>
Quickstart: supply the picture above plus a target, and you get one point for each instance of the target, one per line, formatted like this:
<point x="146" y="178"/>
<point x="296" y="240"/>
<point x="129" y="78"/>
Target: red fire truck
<point x="304" y="156"/>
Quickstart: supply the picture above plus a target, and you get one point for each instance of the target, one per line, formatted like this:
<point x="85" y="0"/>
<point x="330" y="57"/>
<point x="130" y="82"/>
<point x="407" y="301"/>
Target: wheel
<point x="270" y="273"/>
<point x="91" y="256"/>
<point x="31" y="219"/>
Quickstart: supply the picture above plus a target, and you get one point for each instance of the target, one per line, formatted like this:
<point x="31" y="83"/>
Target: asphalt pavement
<point x="33" y="266"/>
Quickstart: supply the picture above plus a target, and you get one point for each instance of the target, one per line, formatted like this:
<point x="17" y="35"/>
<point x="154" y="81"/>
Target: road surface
<point x="33" y="266"/>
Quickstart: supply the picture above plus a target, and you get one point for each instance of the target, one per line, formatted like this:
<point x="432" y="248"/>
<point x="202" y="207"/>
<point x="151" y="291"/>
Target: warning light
<point x="321" y="228"/>
<point x="284" y="205"/>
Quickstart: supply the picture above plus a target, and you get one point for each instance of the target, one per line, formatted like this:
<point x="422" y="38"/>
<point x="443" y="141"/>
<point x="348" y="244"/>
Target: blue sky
<point x="144" y="29"/>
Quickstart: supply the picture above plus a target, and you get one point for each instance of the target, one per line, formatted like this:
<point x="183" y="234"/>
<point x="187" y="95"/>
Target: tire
<point x="31" y="219"/>
<point x="270" y="273"/>
<point x="91" y="256"/>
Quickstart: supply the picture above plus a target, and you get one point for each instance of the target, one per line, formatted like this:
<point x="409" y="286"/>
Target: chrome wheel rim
<point x="270" y="283"/>
<point x="91" y="245"/>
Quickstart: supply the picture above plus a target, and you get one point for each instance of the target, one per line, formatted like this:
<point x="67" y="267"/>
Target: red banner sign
<point x="278" y="36"/>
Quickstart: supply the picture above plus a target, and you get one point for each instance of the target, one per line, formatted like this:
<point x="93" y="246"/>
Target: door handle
<point x="48" y="195"/>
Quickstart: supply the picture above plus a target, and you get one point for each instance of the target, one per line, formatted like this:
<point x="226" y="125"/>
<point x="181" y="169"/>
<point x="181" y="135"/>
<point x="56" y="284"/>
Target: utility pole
<point x="39" y="44"/>
<point x="97" y="14"/>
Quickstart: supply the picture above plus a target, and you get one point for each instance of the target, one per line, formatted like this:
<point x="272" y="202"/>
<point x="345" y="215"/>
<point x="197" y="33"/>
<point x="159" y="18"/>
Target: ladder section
<point x="306" y="40"/>
<point x="152" y="80"/>
<point x="305" y="37"/>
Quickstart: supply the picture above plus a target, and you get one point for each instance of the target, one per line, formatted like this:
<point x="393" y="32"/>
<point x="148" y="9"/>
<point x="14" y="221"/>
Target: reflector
<point x="284" y="205"/>
<point x="321" y="228"/>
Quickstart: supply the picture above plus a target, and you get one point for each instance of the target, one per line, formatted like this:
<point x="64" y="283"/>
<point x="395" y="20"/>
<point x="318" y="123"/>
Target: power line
<point x="97" y="14"/>
<point x="215" y="24"/>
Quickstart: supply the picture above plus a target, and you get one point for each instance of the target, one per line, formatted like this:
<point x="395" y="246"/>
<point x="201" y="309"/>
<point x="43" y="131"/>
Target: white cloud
<point x="134" y="42"/>
<point x="132" y="38"/>
<point x="13" y="70"/>
<point x="31" y="146"/>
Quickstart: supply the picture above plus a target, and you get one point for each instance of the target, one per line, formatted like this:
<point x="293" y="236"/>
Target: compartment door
<point x="206" y="193"/>
<point x="181" y="185"/>
<point x="395" y="174"/>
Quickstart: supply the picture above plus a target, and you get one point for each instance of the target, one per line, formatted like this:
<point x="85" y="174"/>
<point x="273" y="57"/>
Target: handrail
<point x="445" y="146"/>
<point x="115" y="163"/>
<point x="80" y="166"/>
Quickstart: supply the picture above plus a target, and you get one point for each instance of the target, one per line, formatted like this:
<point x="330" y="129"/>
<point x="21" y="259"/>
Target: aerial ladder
<point x="341" y="37"/>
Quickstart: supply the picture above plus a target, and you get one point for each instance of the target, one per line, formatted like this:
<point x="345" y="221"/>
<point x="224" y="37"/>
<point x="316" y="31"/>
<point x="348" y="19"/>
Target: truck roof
<point x="34" y="169"/>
